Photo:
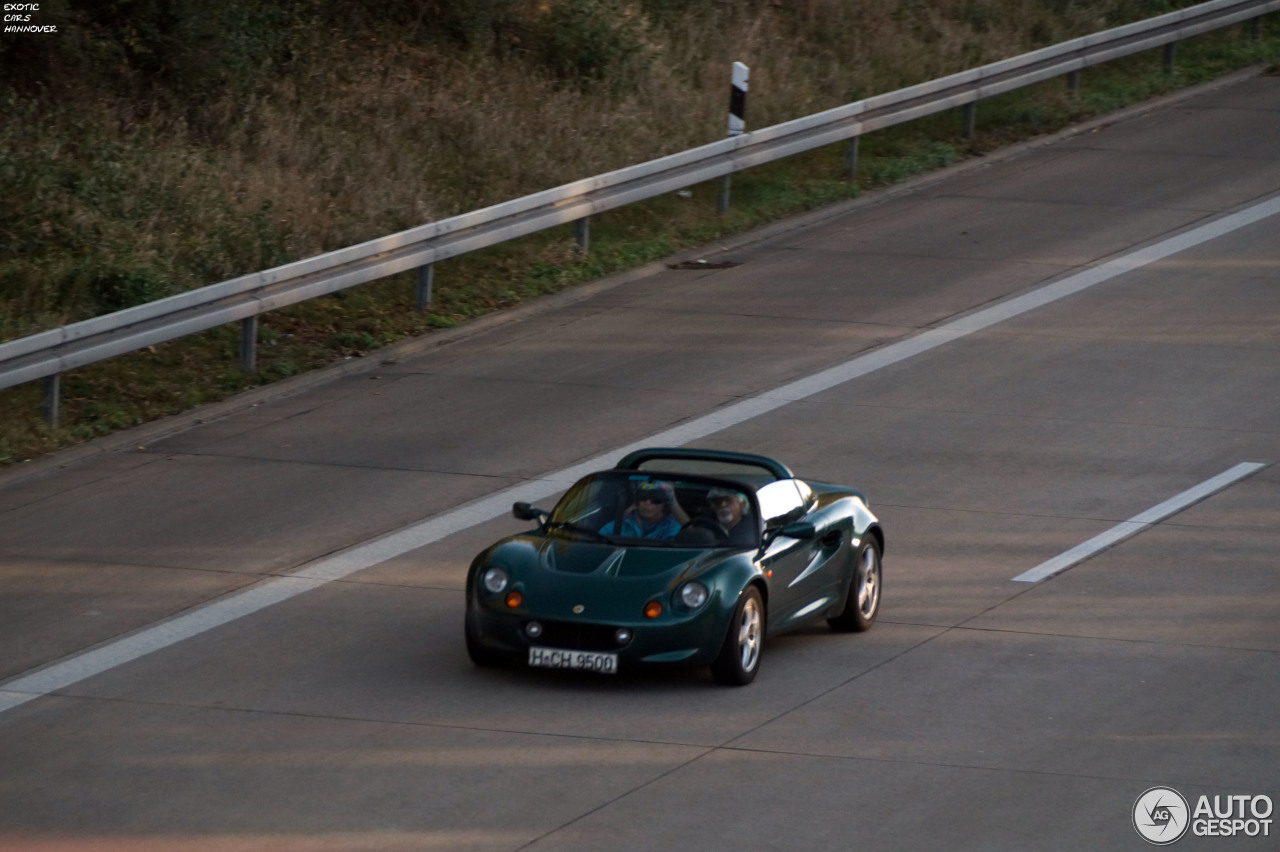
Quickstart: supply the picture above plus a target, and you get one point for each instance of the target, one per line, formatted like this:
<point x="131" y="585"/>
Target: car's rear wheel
<point x="739" y="658"/>
<point x="480" y="655"/>
<point x="863" y="603"/>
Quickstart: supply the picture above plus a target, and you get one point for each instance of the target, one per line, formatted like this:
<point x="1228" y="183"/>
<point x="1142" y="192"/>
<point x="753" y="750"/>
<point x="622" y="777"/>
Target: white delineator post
<point x="737" y="120"/>
<point x="738" y="99"/>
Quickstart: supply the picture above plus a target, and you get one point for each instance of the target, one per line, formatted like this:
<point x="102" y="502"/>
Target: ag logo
<point x="1160" y="815"/>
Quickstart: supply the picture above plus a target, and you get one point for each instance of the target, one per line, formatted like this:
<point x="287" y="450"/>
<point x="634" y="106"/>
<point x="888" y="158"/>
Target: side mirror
<point x="800" y="529"/>
<point x="523" y="511"/>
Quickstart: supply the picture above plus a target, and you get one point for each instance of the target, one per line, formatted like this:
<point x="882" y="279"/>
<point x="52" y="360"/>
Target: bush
<point x="119" y="289"/>
<point x="586" y="41"/>
<point x="473" y="24"/>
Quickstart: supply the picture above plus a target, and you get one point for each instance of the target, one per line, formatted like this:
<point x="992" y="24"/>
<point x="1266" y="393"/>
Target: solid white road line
<point x="59" y="675"/>
<point x="1137" y="523"/>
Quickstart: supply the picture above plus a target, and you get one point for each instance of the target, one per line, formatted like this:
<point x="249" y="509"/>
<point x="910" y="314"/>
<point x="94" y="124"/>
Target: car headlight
<point x="495" y="579"/>
<point x="692" y="595"/>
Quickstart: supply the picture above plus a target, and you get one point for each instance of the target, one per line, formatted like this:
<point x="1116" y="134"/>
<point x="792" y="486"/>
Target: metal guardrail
<point x="48" y="354"/>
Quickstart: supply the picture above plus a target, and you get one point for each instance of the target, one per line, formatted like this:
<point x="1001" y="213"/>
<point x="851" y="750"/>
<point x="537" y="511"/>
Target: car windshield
<point x="658" y="510"/>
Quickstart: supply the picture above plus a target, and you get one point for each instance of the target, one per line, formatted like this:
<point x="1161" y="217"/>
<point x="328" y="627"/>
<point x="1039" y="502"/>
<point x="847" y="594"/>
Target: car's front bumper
<point x="692" y="638"/>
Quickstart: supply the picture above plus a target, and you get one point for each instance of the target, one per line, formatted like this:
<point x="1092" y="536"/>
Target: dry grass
<point x="371" y="135"/>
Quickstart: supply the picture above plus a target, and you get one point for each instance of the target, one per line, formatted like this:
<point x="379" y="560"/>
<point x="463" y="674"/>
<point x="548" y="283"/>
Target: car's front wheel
<point x="863" y="604"/>
<point x="739" y="658"/>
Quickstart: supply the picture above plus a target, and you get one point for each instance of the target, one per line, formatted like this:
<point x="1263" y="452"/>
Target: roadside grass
<point x="180" y="375"/>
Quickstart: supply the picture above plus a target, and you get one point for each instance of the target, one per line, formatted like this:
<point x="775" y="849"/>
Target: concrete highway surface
<point x="246" y="633"/>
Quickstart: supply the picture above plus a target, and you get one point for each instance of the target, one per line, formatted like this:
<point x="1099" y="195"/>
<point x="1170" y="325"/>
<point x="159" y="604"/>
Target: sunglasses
<point x="722" y="499"/>
<point x="649" y="498"/>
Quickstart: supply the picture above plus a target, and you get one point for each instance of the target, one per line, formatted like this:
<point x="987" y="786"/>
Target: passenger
<point x="652" y="514"/>
<point x="730" y="509"/>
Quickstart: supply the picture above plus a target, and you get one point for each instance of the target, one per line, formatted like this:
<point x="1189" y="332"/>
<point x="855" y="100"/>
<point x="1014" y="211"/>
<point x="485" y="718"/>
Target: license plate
<point x="558" y="658"/>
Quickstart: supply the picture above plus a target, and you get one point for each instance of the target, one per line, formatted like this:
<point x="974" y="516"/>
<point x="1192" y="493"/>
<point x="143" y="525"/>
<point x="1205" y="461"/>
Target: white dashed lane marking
<point x="1138" y="523"/>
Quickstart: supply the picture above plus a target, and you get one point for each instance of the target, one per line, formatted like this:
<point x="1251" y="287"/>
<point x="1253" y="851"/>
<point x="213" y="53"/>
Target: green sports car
<point x="676" y="556"/>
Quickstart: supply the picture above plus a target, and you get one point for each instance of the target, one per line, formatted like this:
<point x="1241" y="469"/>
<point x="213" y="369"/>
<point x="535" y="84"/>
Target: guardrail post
<point x="851" y="157"/>
<point x="1255" y="28"/>
<point x="737" y="123"/>
<point x="1073" y="83"/>
<point x="1170" y="56"/>
<point x="722" y="200"/>
<point x="582" y="233"/>
<point x="52" y="396"/>
<point x="422" y="292"/>
<point x="249" y="343"/>
<point x="970" y="114"/>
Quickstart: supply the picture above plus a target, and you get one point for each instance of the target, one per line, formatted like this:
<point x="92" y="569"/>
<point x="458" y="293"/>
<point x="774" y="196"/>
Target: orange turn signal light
<point x="652" y="609"/>
<point x="514" y="599"/>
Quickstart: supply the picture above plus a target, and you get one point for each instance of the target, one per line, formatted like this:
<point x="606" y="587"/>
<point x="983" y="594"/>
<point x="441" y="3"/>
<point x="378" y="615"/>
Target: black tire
<point x="863" y="603"/>
<point x="739" y="658"/>
<point x="480" y="655"/>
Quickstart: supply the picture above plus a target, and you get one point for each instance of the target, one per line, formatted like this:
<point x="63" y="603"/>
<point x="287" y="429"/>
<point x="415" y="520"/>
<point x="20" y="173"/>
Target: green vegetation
<point x="154" y="146"/>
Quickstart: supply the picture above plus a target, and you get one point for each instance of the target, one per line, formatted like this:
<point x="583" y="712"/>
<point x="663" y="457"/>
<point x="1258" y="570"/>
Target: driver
<point x="729" y="508"/>
<point x="652" y="513"/>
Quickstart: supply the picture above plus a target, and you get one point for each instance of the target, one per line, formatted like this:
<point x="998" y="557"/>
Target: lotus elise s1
<point x="675" y="556"/>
